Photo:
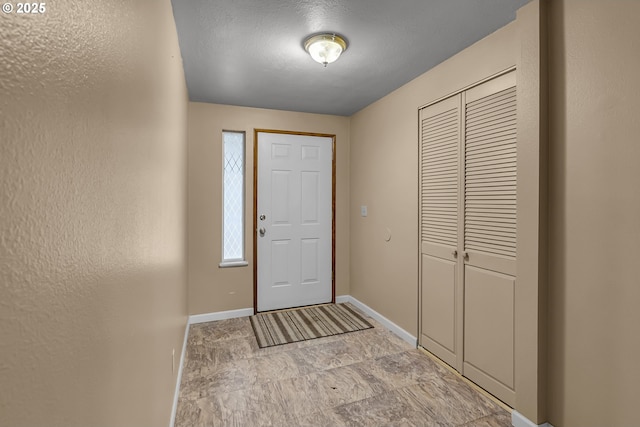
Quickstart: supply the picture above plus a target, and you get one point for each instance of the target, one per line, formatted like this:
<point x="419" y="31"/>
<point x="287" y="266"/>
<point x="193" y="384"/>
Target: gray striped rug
<point x="307" y="323"/>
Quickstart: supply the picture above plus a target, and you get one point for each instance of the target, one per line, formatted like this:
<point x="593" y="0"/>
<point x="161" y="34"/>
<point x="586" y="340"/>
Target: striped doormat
<point x="307" y="323"/>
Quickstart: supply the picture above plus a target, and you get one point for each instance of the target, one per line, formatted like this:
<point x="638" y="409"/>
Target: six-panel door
<point x="294" y="210"/>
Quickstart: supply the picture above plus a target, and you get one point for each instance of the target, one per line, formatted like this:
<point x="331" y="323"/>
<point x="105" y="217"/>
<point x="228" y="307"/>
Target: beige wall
<point x="211" y="288"/>
<point x="92" y="214"/>
<point x="384" y="176"/>
<point x="531" y="284"/>
<point x="594" y="212"/>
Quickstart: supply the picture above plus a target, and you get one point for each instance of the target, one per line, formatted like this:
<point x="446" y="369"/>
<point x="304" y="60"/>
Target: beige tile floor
<point x="366" y="378"/>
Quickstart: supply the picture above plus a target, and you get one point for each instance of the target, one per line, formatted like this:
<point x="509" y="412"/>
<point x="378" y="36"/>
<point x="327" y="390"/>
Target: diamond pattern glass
<point x="233" y="229"/>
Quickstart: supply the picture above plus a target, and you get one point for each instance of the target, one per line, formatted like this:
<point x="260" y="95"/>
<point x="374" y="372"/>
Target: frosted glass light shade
<point x="325" y="48"/>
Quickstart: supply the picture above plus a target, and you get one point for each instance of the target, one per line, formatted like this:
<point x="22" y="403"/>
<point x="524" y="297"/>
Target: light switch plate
<point x="363" y="211"/>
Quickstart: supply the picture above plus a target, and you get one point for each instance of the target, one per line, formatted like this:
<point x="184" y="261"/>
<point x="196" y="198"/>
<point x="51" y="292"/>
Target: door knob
<point x="455" y="254"/>
<point x="262" y="231"/>
<point x="466" y="256"/>
<point x="262" y="217"/>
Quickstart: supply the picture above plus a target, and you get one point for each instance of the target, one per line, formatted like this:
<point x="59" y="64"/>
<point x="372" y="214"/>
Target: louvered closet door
<point x="489" y="135"/>
<point x="440" y="217"/>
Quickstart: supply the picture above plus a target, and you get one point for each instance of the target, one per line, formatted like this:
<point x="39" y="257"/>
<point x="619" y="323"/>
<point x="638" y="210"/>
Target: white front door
<point x="294" y="220"/>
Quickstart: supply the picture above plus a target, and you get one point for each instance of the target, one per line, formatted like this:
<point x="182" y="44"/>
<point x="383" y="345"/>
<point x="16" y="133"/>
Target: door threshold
<point x="277" y="310"/>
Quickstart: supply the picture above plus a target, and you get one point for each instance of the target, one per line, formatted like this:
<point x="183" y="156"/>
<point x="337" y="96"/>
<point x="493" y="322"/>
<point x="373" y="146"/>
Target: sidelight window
<point x="233" y="199"/>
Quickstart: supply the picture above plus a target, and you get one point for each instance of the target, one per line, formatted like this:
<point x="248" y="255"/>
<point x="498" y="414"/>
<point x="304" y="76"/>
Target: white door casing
<point x="294" y="220"/>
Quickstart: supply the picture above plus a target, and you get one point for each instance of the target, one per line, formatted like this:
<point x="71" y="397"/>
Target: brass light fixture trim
<point x="325" y="48"/>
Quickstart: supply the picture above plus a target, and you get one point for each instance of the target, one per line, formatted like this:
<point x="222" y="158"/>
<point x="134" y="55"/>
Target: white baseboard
<point x="519" y="420"/>
<point x="406" y="336"/>
<point x="220" y="315"/>
<point x="174" y="409"/>
<point x="343" y="298"/>
<point x="242" y="312"/>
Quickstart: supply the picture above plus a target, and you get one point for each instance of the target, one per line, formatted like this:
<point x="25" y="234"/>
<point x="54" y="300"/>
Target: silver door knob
<point x="262" y="217"/>
<point x="262" y="231"/>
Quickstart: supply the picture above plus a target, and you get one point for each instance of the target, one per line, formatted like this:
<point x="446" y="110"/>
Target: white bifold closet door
<point x="440" y="218"/>
<point x="468" y="232"/>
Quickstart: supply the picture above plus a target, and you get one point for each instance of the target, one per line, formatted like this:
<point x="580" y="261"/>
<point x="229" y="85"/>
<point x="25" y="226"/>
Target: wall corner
<point x="531" y="295"/>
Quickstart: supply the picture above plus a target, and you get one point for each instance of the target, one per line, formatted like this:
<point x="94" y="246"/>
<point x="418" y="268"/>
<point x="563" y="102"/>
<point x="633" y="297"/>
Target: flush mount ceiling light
<point x="325" y="48"/>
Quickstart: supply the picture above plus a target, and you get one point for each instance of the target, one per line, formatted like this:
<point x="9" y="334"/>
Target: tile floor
<point x="365" y="378"/>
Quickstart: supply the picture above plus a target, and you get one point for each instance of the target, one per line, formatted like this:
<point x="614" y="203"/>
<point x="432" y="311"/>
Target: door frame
<point x="255" y="207"/>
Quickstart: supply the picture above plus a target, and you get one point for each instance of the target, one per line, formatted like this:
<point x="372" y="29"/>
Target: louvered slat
<point x="439" y="177"/>
<point x="490" y="174"/>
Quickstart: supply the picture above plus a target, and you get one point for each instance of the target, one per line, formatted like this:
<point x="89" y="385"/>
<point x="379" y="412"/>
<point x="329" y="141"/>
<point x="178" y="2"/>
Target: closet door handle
<point x="465" y="255"/>
<point x="455" y="254"/>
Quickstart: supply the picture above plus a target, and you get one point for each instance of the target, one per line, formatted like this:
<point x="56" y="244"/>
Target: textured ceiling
<point x="249" y="52"/>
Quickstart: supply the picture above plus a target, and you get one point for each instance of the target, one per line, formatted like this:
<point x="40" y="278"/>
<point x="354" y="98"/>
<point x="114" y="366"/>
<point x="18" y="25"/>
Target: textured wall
<point x="594" y="212"/>
<point x="530" y="292"/>
<point x="92" y="214"/>
<point x="212" y="288"/>
<point x="384" y="176"/>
